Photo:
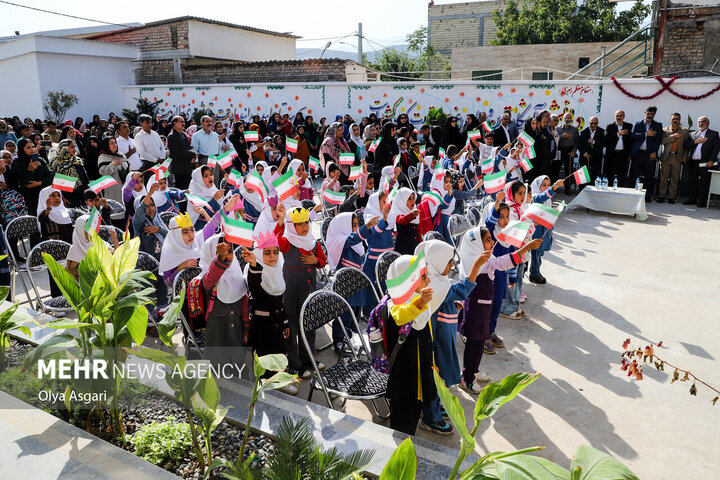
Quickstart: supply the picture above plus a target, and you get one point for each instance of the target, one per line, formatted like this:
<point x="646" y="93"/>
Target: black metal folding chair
<point x="190" y="340"/>
<point x="381" y="268"/>
<point x="166" y="217"/>
<point x="58" y="250"/>
<point x="18" y="231"/>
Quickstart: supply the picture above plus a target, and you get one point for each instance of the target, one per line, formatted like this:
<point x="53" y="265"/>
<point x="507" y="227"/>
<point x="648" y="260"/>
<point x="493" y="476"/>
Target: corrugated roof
<point x="66" y="32"/>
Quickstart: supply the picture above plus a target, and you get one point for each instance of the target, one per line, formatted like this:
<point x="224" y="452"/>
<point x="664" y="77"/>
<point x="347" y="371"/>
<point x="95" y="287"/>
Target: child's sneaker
<point x="489" y="347"/>
<point x="473" y="388"/>
<point x="443" y="412"/>
<point x="523" y="297"/>
<point x="516" y="315"/>
<point x="482" y="377"/>
<point x="441" y="428"/>
<point x="496" y="341"/>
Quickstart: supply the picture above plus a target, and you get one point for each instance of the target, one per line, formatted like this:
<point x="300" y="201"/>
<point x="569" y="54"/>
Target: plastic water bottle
<point x="615" y="184"/>
<point x="597" y="182"/>
<point x="604" y="183"/>
<point x="637" y="184"/>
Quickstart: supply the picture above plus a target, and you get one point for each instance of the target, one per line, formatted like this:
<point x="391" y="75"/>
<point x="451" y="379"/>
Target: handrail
<point x="643" y="29"/>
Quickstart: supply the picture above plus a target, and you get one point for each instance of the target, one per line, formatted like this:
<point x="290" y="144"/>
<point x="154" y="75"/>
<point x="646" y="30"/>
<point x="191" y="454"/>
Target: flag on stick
<point x="291" y="145"/>
<point x="434" y="197"/>
<point x="514" y="233"/>
<point x="525" y="164"/>
<point x="402" y="288"/>
<point x="347" y="158"/>
<point x="195" y="200"/>
<point x="473" y="134"/>
<point x="487" y="126"/>
<point x="102" y="183"/>
<point x="237" y="231"/>
<point x="422" y="150"/>
<point x="314" y="164"/>
<point x="529" y="152"/>
<point x="526" y="139"/>
<point x="336" y="198"/>
<point x="355" y="172"/>
<point x="93" y="223"/>
<point x="542" y="214"/>
<point x="64" y="182"/>
<point x="251" y="136"/>
<point x="234" y="178"/>
<point x="285" y="186"/>
<point x="374" y="145"/>
<point x="442" y="152"/>
<point x="391" y="195"/>
<point x="255" y="183"/>
<point x="495" y="182"/>
<point x="487" y="165"/>
<point x="582" y="176"/>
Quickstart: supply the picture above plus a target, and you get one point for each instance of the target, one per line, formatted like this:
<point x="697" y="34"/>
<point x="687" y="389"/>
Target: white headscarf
<point x="306" y="242"/>
<point x="385" y="175"/>
<point x="175" y="251"/>
<point x="251" y="195"/>
<point x="535" y="188"/>
<point x="159" y="197"/>
<point x="472" y="247"/>
<point x="199" y="189"/>
<point x="437" y="255"/>
<point x="265" y="221"/>
<point x="395" y="270"/>
<point x="399" y="207"/>
<point x="231" y="287"/>
<point x="294" y="165"/>
<point x="428" y="162"/>
<point x="267" y="174"/>
<point x="80" y="244"/>
<point x="338" y="232"/>
<point x="373" y="209"/>
<point x="135" y="193"/>
<point x="272" y="281"/>
<point x="438" y="184"/>
<point x="57" y="214"/>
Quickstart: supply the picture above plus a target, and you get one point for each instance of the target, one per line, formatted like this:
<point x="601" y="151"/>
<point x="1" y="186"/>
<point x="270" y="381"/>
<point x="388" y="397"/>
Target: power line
<point x="326" y="38"/>
<point x="66" y="14"/>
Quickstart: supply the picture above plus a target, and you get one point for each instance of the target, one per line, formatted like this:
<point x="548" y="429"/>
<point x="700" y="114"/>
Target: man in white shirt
<point x="149" y="145"/>
<point x="704" y="147"/>
<point x="126" y="145"/>
<point x="617" y="149"/>
<point x="205" y="141"/>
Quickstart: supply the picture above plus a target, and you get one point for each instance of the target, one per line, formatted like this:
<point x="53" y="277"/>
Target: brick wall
<point x="688" y="39"/>
<point x="287" y="71"/>
<point x="168" y="36"/>
<point x="149" y="72"/>
<point x="461" y="24"/>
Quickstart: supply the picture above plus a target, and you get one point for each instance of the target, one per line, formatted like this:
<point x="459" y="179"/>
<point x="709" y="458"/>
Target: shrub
<point x="436" y="116"/>
<point x="160" y="442"/>
<point x="198" y="114"/>
<point x="57" y="105"/>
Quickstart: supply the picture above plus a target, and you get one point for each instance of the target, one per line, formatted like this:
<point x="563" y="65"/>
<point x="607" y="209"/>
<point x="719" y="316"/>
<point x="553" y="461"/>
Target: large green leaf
<point x="104" y="257"/>
<point x="88" y="272"/>
<point x="274" y="362"/>
<point x="210" y="417"/>
<point x="168" y="324"/>
<point x="596" y="465"/>
<point x="402" y="464"/>
<point x="4" y="292"/>
<point x="209" y="392"/>
<point x="125" y="258"/>
<point x="279" y="380"/>
<point x="66" y="282"/>
<point x="529" y="467"/>
<point x="152" y="354"/>
<point x="54" y="344"/>
<point x="137" y="325"/>
<point x="65" y="323"/>
<point x="455" y="412"/>
<point x="496" y="394"/>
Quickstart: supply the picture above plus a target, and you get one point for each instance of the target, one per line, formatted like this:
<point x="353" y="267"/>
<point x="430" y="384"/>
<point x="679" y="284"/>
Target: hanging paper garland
<point x="665" y="86"/>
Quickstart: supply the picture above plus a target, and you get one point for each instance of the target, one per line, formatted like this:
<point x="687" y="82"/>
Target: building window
<point x="583" y="62"/>
<point x="542" y="75"/>
<point x="492" y="75"/>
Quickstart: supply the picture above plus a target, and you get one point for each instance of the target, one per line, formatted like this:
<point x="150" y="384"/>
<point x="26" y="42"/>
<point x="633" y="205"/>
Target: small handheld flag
<point x="473" y="134"/>
<point x="434" y="197"/>
<point x="335" y="198"/>
<point x="102" y="183"/>
<point x="93" y="223"/>
<point x="237" y="231"/>
<point x="285" y="186"/>
<point x="255" y="183"/>
<point x="542" y="214"/>
<point x="64" y="182"/>
<point x="391" y="195"/>
<point x="374" y="145"/>
<point x="291" y="145"/>
<point x="525" y="164"/>
<point x="514" y="233"/>
<point x="234" y="178"/>
<point x="347" y="158"/>
<point x="422" y="150"/>
<point x="251" y="136"/>
<point x="487" y="165"/>
<point x="495" y="182"/>
<point x="195" y="200"/>
<point x="442" y="152"/>
<point x="355" y="172"/>
<point x="526" y="139"/>
<point x="314" y="164"/>
<point x="487" y="126"/>
<point x="582" y="176"/>
<point x="529" y="152"/>
<point x="401" y="288"/>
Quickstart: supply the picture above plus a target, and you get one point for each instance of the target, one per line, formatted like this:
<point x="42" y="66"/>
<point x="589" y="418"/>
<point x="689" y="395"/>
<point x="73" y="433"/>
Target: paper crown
<point x="266" y="240"/>
<point x="183" y="220"/>
<point x="299" y="215"/>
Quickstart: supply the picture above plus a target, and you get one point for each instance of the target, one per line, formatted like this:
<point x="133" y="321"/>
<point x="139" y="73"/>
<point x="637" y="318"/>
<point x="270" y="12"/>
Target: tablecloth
<point x="625" y="201"/>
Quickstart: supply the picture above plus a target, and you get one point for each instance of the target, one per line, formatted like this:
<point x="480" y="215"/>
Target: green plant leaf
<point x="529" y="467"/>
<point x="4" y="292"/>
<point x="402" y="464"/>
<point x="105" y="258"/>
<point x="274" y="362"/>
<point x="66" y="282"/>
<point x="168" y="324"/>
<point x="597" y="465"/>
<point x="66" y="323"/>
<point x="54" y="344"/>
<point x="137" y="325"/>
<point x="279" y="380"/>
<point x="257" y="368"/>
<point x="88" y="273"/>
<point x="125" y="258"/>
<point x="209" y="392"/>
<point x="455" y="412"/>
<point x="66" y="398"/>
<point x="496" y="394"/>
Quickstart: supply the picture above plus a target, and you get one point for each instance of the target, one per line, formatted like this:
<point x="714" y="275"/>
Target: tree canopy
<point x="564" y="21"/>
<point x="420" y="59"/>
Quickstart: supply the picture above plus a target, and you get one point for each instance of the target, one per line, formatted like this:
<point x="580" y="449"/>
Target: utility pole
<point x="360" y="37"/>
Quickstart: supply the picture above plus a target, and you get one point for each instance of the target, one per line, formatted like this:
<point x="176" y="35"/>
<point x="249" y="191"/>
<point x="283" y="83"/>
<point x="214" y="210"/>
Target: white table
<point x="714" y="184"/>
<point x="625" y="201"/>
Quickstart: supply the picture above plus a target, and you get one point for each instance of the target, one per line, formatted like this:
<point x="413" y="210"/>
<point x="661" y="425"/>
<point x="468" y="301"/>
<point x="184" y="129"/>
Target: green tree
<point x="562" y="21"/>
<point x="426" y="57"/>
<point x="57" y="104"/>
<point x="391" y="61"/>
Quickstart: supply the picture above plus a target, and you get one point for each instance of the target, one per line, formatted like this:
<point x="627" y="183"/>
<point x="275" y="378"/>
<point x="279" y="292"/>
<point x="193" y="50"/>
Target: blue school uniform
<point x="215" y="206"/>
<point x="380" y="241"/>
<point x="501" y="277"/>
<point x="445" y="210"/>
<point x="173" y="197"/>
<point x="427" y="178"/>
<point x="547" y="240"/>
<point x="251" y="213"/>
<point x="444" y="325"/>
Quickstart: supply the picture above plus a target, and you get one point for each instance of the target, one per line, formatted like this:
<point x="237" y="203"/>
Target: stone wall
<point x="314" y="70"/>
<point x="167" y="36"/>
<point x="466" y="24"/>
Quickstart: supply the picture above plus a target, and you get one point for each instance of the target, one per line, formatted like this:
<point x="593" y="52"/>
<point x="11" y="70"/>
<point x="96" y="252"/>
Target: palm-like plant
<point x="9" y="322"/>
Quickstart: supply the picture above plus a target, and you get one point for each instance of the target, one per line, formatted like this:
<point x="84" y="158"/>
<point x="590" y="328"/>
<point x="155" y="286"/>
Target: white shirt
<point x="592" y="134"/>
<point x="149" y="146"/>
<point x="644" y="144"/>
<point x="697" y="153"/>
<point x="124" y="147"/>
<point x="620" y="145"/>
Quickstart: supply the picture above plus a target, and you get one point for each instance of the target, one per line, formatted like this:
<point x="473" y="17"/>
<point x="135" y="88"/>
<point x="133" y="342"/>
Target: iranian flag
<point x="526" y="139"/>
<point x="542" y="214"/>
<point x="422" y="150"/>
<point x="347" y="158"/>
<point x="396" y="162"/>
<point x="251" y="136"/>
<point x="64" y="182"/>
<point x="529" y="152"/>
<point x="433" y="197"/>
<point x="166" y="164"/>
<point x="234" y="178"/>
<point x="291" y="145"/>
<point x="285" y="185"/>
<point x="439" y="172"/>
<point x="336" y="198"/>
<point x="525" y="164"/>
<point x="355" y="172"/>
<point x="495" y="182"/>
<point x="561" y="207"/>
<point x="93" y="223"/>
<point x="102" y="183"/>
<point x="314" y="164"/>
<point x="442" y="152"/>
<point x="487" y="126"/>
<point x="391" y="196"/>
<point x="473" y="134"/>
<point x="255" y="183"/>
<point x="581" y="176"/>
<point x="195" y="200"/>
<point x="487" y="165"/>
<point x="225" y="160"/>
<point x="237" y="231"/>
<point x="402" y="288"/>
<point x="374" y="145"/>
<point x="514" y="233"/>
<point x="158" y="171"/>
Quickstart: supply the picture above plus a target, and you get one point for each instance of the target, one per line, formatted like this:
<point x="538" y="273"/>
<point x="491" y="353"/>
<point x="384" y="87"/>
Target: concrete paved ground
<point x="609" y="278"/>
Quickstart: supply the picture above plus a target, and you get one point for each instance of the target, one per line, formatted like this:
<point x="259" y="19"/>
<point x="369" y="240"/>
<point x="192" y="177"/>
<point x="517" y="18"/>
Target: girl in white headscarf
<point x="226" y="309"/>
<point x="202" y="185"/>
<point x="381" y="239"/>
<point x="404" y="218"/>
<point x="542" y="192"/>
<point x="55" y="223"/>
<point x="426" y="173"/>
<point x="254" y="203"/>
<point x="301" y="178"/>
<point x="133" y="187"/>
<point x="81" y="244"/>
<point x="165" y="200"/>
<point x="441" y="183"/>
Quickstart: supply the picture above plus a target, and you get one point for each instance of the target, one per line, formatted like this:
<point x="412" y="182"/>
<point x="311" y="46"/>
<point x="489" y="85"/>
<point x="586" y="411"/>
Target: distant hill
<point x="306" y="53"/>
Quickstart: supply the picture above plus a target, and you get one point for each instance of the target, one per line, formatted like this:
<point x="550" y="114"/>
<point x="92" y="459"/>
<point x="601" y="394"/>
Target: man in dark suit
<point x="506" y="132"/>
<point x="592" y="142"/>
<point x="647" y="137"/>
<point x="184" y="157"/>
<point x="617" y="149"/>
<point x="703" y="146"/>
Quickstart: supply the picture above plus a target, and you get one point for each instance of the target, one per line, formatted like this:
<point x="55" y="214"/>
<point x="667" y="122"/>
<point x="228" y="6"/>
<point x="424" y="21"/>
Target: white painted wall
<point x="217" y="41"/>
<point x="21" y="84"/>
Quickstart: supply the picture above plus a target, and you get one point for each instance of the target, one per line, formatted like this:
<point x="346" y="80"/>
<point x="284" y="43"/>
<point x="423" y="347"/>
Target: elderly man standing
<point x="704" y="147"/>
<point x="673" y="156"/>
<point x="184" y="157"/>
<point x="149" y="145"/>
<point x="568" y="144"/>
<point x="126" y="145"/>
<point x="206" y="142"/>
<point x="505" y="132"/>
<point x="646" y="136"/>
<point x="617" y="148"/>
<point x="592" y="142"/>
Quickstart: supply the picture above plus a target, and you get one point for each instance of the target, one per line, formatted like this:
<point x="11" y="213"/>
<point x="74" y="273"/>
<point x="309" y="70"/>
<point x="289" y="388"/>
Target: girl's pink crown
<point x="267" y="240"/>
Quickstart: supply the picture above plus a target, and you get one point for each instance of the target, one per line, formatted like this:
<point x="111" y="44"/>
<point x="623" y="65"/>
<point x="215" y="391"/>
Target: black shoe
<point x="539" y="279"/>
<point x="660" y="200"/>
<point x="441" y="428"/>
<point x="671" y="201"/>
<point x="690" y="202"/>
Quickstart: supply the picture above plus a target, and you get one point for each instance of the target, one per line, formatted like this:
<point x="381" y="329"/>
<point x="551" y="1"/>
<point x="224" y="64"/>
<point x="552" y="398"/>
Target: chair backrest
<point x="458" y="225"/>
<point x="57" y="249"/>
<point x="166" y="217"/>
<point x="75" y="213"/>
<point x="433" y="235"/>
<point x="383" y="265"/>
<point x="321" y="308"/>
<point x="105" y="230"/>
<point x="147" y="262"/>
<point x="115" y="206"/>
<point x="324" y="227"/>
<point x="307" y="204"/>
<point x="183" y="278"/>
<point x="223" y="183"/>
<point x="22" y="227"/>
<point x="349" y="281"/>
<point x="412" y="172"/>
<point x="475" y="213"/>
<point x="238" y="256"/>
<point x="360" y="214"/>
